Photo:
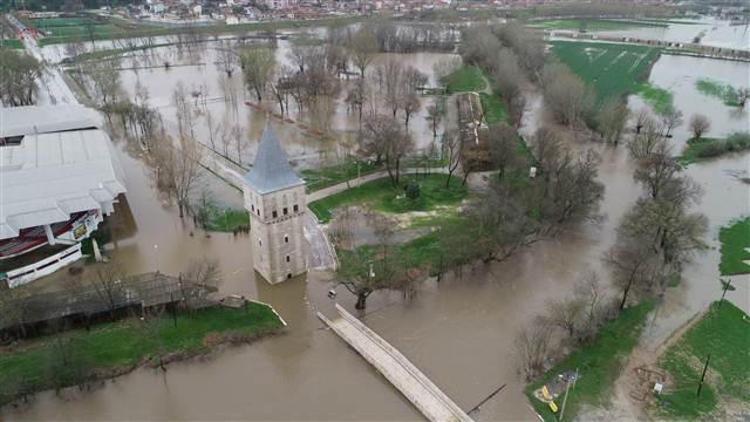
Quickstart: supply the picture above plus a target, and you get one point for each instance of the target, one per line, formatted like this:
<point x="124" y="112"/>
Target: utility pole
<point x="567" y="390"/>
<point x="703" y="376"/>
<point x="726" y="285"/>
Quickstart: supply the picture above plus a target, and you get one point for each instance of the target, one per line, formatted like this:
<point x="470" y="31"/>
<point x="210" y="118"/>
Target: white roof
<point x="50" y="176"/>
<point x="16" y="121"/>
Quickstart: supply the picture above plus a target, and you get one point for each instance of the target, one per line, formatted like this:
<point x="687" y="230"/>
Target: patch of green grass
<point x="724" y="92"/>
<point x="465" y="79"/>
<point x="613" y="70"/>
<point x="320" y="178"/>
<point x="494" y="108"/>
<point x="700" y="149"/>
<point x="227" y="220"/>
<point x="724" y="334"/>
<point x="660" y="100"/>
<point x="734" y="241"/>
<point x="383" y="196"/>
<point x="11" y="43"/>
<point x="113" y="348"/>
<point x="598" y="363"/>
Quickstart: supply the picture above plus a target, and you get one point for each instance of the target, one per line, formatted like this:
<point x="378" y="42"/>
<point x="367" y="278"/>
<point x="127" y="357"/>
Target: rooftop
<point x="56" y="171"/>
<point x="271" y="171"/>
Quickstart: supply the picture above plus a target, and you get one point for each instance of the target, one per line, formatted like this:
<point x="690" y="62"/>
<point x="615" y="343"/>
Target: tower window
<point x="289" y="275"/>
<point x="252" y="207"/>
<point x="260" y="242"/>
<point x="296" y="208"/>
<point x="286" y="210"/>
<point x="287" y="258"/>
<point x="275" y="214"/>
<point x="258" y="212"/>
<point x="286" y="239"/>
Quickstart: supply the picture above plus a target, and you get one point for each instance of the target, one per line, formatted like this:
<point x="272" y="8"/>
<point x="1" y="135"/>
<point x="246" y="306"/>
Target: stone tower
<point x="275" y="199"/>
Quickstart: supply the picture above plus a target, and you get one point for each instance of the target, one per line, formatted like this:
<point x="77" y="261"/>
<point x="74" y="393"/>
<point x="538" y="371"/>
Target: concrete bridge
<point x="412" y="383"/>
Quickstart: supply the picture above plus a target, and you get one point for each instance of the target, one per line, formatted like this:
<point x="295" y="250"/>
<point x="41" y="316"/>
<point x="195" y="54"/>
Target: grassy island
<point x="115" y="348"/>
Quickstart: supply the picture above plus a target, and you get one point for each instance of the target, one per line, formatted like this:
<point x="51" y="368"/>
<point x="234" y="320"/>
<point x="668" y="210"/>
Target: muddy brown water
<point x="459" y="332"/>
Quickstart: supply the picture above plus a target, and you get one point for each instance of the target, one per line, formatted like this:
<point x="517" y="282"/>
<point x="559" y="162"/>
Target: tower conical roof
<point x="271" y="171"/>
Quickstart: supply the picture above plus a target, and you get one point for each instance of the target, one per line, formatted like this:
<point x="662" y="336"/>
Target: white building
<point x="275" y="198"/>
<point x="58" y="179"/>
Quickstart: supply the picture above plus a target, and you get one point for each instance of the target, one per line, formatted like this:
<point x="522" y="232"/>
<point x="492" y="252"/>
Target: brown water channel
<point x="459" y="332"/>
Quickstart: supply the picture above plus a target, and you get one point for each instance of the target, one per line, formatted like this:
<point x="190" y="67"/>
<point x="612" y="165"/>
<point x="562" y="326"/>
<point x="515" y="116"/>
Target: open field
<point x="724" y="334"/>
<point x="494" y="108"/>
<point x="117" y="28"/>
<point x="11" y="43"/>
<point x="613" y="70"/>
<point x="735" y="240"/>
<point x="598" y="364"/>
<point x="111" y="349"/>
<point x="227" y="220"/>
<point x="465" y="79"/>
<point x="382" y="196"/>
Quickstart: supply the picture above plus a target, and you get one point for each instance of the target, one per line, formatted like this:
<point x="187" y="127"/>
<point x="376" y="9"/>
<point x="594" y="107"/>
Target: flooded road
<point x="459" y="332"/>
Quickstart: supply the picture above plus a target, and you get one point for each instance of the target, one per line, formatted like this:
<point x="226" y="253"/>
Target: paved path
<point x="332" y="190"/>
<point x="412" y="383"/>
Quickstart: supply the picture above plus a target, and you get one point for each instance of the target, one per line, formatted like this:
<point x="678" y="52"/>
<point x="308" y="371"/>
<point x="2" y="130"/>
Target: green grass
<point x="382" y="196"/>
<point x="228" y="220"/>
<point x="724" y="92"/>
<point x="660" y="100"/>
<point x="11" y="43"/>
<point x="613" y="70"/>
<point x="597" y="24"/>
<point x="734" y="239"/>
<point x="724" y="333"/>
<point x="599" y="364"/>
<point x="705" y="148"/>
<point x="494" y="108"/>
<point x="465" y="79"/>
<point x="317" y="179"/>
<point x="114" y="348"/>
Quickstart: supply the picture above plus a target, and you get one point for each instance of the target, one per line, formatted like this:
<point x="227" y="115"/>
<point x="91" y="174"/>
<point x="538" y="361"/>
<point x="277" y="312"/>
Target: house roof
<point x="59" y="168"/>
<point x="17" y="121"/>
<point x="271" y="171"/>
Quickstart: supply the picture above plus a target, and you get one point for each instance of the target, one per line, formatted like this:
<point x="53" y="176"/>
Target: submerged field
<point x="613" y="70"/>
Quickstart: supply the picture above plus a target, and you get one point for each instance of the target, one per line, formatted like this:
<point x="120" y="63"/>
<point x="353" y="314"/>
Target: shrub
<point x="713" y="149"/>
<point x="412" y="190"/>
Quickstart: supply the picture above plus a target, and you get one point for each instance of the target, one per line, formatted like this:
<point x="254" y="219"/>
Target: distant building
<point x="58" y="179"/>
<point x="275" y="198"/>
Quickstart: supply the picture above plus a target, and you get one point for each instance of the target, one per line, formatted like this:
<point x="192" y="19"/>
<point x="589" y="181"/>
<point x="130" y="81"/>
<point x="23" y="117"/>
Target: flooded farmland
<point x="459" y="331"/>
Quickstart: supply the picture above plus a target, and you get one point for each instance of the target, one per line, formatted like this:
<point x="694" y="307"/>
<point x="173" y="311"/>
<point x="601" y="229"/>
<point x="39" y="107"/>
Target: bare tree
<point x="435" y="113"/>
<point x="611" y="120"/>
<point x="184" y="112"/>
<point x="177" y="170"/>
<point x="671" y="120"/>
<point x="387" y="140"/>
<point x="532" y="345"/>
<point x="227" y="58"/>
<point x="565" y="95"/>
<point x="503" y="147"/>
<point x="363" y="47"/>
<point x="410" y="104"/>
<point x="105" y="78"/>
<point x="699" y="124"/>
<point x="452" y="151"/>
<point x="19" y="73"/>
<point x="258" y="65"/>
<point x="109" y="288"/>
<point x="632" y="266"/>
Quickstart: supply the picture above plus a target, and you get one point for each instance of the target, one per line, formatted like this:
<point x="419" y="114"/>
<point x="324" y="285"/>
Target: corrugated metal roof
<point x="271" y="171"/>
<point x="17" y="121"/>
<point x="48" y="176"/>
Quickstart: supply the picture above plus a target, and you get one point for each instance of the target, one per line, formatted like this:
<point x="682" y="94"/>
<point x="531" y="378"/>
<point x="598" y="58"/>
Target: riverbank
<point x="112" y="349"/>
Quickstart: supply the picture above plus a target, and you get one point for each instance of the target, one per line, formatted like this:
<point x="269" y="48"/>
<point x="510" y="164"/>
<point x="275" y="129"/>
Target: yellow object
<point x="545" y="393"/>
<point x="553" y="406"/>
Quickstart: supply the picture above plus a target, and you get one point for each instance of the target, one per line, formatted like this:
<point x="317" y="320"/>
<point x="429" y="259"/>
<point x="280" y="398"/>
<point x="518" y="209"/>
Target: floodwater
<point x="679" y="74"/>
<point x="459" y="331"/>
<point x="713" y="32"/>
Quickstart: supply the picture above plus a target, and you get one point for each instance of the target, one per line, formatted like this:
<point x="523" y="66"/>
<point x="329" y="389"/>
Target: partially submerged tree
<point x="257" y="66"/>
<point x="566" y="96"/>
<point x="699" y="124"/>
<point x="19" y="73"/>
<point x="611" y="120"/>
<point x="362" y="48"/>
